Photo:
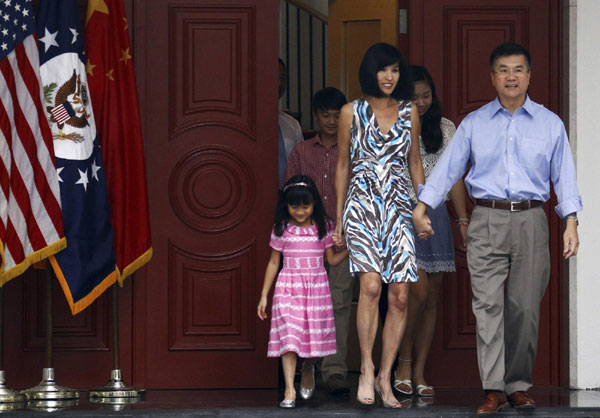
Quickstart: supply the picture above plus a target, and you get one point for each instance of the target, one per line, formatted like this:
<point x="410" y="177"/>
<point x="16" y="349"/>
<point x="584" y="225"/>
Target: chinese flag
<point x="113" y="91"/>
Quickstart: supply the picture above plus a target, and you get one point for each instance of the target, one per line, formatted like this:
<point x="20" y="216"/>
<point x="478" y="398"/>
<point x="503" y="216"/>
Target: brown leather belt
<point x="513" y="206"/>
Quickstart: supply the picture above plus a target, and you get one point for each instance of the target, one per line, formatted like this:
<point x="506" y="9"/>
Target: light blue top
<point x="513" y="157"/>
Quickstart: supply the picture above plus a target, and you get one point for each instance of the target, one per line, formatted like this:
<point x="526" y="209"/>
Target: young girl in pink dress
<point x="302" y="322"/>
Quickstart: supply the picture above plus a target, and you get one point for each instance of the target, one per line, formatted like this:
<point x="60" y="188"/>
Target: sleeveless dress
<point x="302" y="312"/>
<point x="378" y="214"/>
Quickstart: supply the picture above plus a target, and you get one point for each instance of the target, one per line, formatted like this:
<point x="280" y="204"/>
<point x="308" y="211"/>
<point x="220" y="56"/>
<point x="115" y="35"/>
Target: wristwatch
<point x="573" y="216"/>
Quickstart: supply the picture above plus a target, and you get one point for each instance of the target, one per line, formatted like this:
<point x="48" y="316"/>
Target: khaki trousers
<point x="509" y="263"/>
<point x="340" y="284"/>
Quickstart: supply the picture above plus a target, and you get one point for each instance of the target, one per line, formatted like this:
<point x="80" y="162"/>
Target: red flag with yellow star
<point x="114" y="98"/>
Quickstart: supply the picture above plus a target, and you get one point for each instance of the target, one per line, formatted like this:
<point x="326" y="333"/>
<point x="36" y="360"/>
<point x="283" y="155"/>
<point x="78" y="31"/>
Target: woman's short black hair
<point x="300" y="190"/>
<point x="506" y="50"/>
<point x="431" y="130"/>
<point x="328" y="98"/>
<point x="376" y="58"/>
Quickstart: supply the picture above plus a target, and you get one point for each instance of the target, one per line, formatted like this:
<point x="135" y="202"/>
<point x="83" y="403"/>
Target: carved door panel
<point x="208" y="83"/>
<point x="453" y="39"/>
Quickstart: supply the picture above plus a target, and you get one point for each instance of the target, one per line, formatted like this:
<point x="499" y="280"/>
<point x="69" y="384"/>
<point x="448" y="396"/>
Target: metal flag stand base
<point x="116" y="392"/>
<point x="47" y="389"/>
<point x="51" y="405"/>
<point x="8" y="395"/>
<point x="115" y="388"/>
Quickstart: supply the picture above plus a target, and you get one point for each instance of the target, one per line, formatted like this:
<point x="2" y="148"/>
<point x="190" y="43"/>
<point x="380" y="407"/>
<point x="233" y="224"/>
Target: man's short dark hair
<point x="506" y="50"/>
<point x="376" y="58"/>
<point x="328" y="98"/>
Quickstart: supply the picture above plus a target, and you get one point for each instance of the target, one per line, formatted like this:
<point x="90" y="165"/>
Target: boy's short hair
<point x="328" y="98"/>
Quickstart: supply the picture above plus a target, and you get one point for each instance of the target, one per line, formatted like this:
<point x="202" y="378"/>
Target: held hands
<point x="422" y="222"/>
<point x="338" y="237"/>
<point x="262" y="308"/>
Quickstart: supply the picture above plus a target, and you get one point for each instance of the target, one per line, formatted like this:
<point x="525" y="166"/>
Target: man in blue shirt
<point x="515" y="147"/>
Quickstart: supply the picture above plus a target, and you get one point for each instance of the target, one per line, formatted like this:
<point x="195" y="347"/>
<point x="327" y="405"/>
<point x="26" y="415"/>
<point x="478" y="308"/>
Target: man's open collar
<point x="528" y="106"/>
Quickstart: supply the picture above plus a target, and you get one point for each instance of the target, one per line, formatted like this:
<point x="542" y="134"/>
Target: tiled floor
<point x="448" y="402"/>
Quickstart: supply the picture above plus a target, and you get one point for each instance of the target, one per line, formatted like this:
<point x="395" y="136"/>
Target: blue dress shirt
<point x="513" y="157"/>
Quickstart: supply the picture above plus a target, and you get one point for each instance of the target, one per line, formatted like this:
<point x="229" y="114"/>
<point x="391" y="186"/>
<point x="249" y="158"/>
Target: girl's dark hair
<point x="431" y="130"/>
<point x="376" y="58"/>
<point x="299" y="190"/>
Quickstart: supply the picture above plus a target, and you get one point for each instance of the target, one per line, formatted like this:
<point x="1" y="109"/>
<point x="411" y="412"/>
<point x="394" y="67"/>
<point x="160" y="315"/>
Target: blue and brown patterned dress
<point x="378" y="215"/>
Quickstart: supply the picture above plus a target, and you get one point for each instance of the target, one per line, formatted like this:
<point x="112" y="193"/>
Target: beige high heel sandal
<point x="365" y="400"/>
<point x="394" y="404"/>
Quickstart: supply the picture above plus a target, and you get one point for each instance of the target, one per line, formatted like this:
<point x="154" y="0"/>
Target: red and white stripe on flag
<point x="31" y="226"/>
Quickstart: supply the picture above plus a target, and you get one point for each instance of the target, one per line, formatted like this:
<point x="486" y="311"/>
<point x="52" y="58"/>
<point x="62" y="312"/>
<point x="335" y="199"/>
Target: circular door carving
<point x="211" y="189"/>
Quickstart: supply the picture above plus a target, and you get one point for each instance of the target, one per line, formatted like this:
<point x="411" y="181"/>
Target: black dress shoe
<point x="337" y="385"/>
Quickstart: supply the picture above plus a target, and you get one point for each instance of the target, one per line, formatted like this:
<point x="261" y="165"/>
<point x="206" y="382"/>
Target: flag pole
<point x="6" y="395"/>
<point x="48" y="389"/>
<point x="115" y="391"/>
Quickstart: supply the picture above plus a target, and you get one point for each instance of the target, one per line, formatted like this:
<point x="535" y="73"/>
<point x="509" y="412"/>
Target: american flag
<point x="31" y="226"/>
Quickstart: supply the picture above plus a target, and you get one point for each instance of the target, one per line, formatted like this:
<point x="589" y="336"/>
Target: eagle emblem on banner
<point x="70" y="103"/>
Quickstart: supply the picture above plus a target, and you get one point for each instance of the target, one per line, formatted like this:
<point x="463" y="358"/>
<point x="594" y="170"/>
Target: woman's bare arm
<point x="342" y="172"/>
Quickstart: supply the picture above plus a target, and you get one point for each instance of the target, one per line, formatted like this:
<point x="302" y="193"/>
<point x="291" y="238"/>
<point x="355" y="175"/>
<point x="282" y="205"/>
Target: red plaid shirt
<point x="311" y="158"/>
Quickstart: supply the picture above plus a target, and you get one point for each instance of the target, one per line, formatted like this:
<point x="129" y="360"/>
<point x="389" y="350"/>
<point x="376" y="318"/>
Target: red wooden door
<point x="208" y="84"/>
<point x="453" y="39"/>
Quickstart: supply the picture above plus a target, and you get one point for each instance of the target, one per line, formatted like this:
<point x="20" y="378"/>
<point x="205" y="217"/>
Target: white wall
<point x="584" y="96"/>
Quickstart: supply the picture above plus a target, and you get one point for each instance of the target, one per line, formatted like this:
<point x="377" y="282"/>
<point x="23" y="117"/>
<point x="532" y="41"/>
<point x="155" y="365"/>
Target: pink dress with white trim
<point x="302" y="313"/>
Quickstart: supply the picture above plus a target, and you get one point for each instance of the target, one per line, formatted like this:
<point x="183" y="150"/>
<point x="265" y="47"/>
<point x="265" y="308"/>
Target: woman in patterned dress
<point x="434" y="255"/>
<point x="378" y="137"/>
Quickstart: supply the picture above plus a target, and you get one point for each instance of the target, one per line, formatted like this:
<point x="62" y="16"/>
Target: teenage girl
<point x="434" y="255"/>
<point x="302" y="323"/>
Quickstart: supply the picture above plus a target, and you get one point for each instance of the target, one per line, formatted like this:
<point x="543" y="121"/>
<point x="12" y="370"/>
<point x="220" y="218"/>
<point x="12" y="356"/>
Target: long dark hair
<point x="377" y="57"/>
<point x="299" y="190"/>
<point x="431" y="130"/>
